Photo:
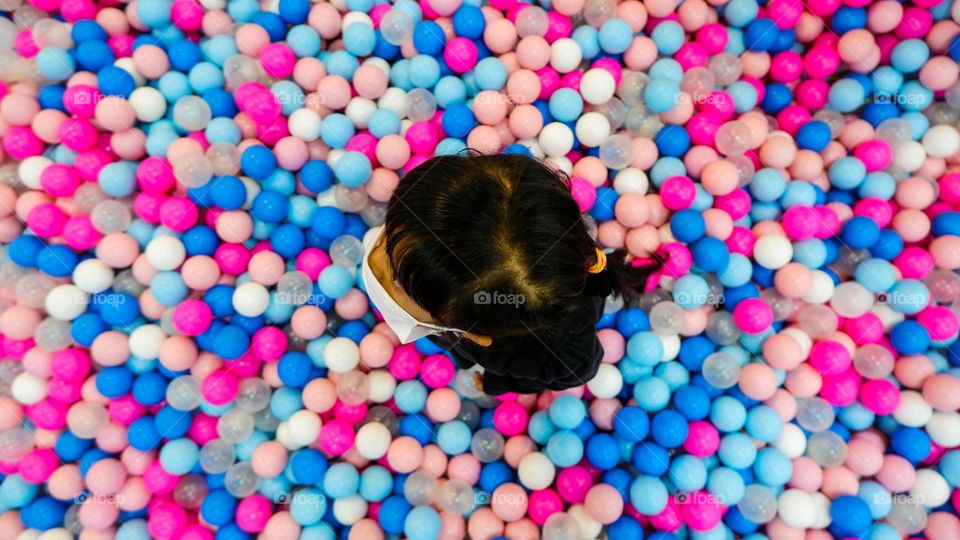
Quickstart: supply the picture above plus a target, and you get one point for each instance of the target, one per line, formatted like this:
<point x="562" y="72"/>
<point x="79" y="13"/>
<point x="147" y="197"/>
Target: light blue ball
<point x="353" y="169"/>
<point x="566" y="105"/>
<point x="798" y="193"/>
<point x="909" y="296"/>
<point x="335" y="281"/>
<point x="205" y="76"/>
<point x="16" y="492"/>
<point x="540" y="427"/>
<point x="811" y="253"/>
<point x="336" y="130"/>
<point x="223" y="130"/>
<point x="564" y="449"/>
<point x="422" y="523"/>
<point x="878" y="184"/>
<point x="652" y="393"/>
<point x="741" y="12"/>
<point x="738" y="271"/>
<point x="737" y="451"/>
<point x="168" y="288"/>
<point x="764" y="423"/>
<point x="616" y="36"/>
<point x="847" y="173"/>
<point x="376" y="483"/>
<point x="667" y="68"/>
<point x="744" y="96"/>
<point x="341" y="63"/>
<point x="588" y="39"/>
<point x="567" y="412"/>
<point x="490" y="74"/>
<point x="691" y="291"/>
<point x="688" y="473"/>
<point x="450" y="147"/>
<point x="179" y="456"/>
<point x="668" y="36"/>
<point x="359" y="39"/>
<point x="646" y="348"/>
<point x="341" y="480"/>
<point x="118" y="179"/>
<point x="878" y="499"/>
<point x="173" y="85"/>
<point x="304" y="40"/>
<point x="55" y="64"/>
<point x="648" y="495"/>
<point x="308" y="506"/>
<point x="383" y="122"/>
<point x="877" y="275"/>
<point x="661" y="95"/>
<point x="290" y="95"/>
<point x="915" y="97"/>
<point x="450" y="90"/>
<point x="424" y="71"/>
<point x="909" y="55"/>
<point x="454" y="437"/>
<point x="772" y="467"/>
<point x="726" y="485"/>
<point x="410" y="396"/>
<point x="135" y="529"/>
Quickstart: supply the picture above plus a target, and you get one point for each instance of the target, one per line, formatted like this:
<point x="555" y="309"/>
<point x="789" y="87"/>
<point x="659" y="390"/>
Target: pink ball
<point x="543" y="504"/>
<point x="510" y="418"/>
<point x="166" y="520"/>
<point x="253" y="513"/>
<point x="702" y="439"/>
<point x="753" y="315"/>
<point x="220" y="387"/>
<point x="880" y="396"/>
<point x="573" y="483"/>
<point x="437" y="371"/>
<point x="336" y="437"/>
<point x="460" y="54"/>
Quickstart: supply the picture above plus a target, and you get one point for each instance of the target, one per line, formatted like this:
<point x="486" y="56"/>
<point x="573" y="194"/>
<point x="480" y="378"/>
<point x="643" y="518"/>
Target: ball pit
<point x="188" y="351"/>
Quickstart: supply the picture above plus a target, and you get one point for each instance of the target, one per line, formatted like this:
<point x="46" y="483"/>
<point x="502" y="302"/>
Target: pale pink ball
<point x="452" y="527"/>
<point x="484" y="524"/>
<point x="807" y="475"/>
<point x="465" y="467"/>
<point x="509" y="502"/>
<point x="362" y="530"/>
<point x="106" y="477"/>
<point x="443" y="405"/>
<point x="523" y="86"/>
<point x="404" y="454"/>
<point x="604" y="503"/>
<point x="896" y="474"/>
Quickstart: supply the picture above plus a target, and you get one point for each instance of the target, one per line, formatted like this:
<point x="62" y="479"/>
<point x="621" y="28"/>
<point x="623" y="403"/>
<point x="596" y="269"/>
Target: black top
<point x="562" y="358"/>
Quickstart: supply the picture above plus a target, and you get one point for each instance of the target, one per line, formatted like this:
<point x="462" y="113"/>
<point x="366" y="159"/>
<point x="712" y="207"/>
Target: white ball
<point x="561" y="163"/>
<point x="253" y="189"/>
<point x="341" y="355"/>
<point x="373" y="440"/>
<point x="380" y="63"/>
<point x="29" y="534"/>
<point x="671" y="346"/>
<point x="631" y="180"/>
<point x="565" y="55"/>
<point x="589" y="527"/>
<point x="58" y="533"/>
<point x="30" y="170"/>
<point x="93" y="276"/>
<point x="773" y="251"/>
<point x="303" y="428"/>
<point x="941" y="141"/>
<point x="145" y="341"/>
<point x="534" y="146"/>
<point x="913" y="410"/>
<point x="597" y="86"/>
<point x="821" y="506"/>
<point x="251" y="299"/>
<point x="851" y="299"/>
<point x="66" y="302"/>
<point x="305" y="124"/>
<point x="909" y="155"/>
<point x="356" y="17"/>
<point x="536" y="471"/>
<point x="607" y="382"/>
<point x="888" y="316"/>
<point x="797" y="508"/>
<point x="792" y="442"/>
<point x="350" y="510"/>
<point x="395" y="99"/>
<point x="148" y="104"/>
<point x="592" y="129"/>
<point x="382" y="386"/>
<point x="165" y="253"/>
<point x="359" y="110"/>
<point x="126" y="63"/>
<point x="804" y="339"/>
<point x="944" y="429"/>
<point x="28" y="388"/>
<point x="930" y="488"/>
<point x="821" y="290"/>
<point x="555" y="139"/>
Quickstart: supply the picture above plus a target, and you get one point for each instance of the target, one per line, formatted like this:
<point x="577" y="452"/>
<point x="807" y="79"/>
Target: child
<point x="490" y="256"/>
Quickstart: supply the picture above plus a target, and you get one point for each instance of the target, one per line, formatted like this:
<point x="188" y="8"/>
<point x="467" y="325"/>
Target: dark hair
<point x="496" y="245"/>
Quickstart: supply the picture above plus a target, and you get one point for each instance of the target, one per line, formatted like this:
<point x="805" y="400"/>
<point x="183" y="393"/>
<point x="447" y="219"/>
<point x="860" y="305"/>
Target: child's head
<point x="494" y="245"/>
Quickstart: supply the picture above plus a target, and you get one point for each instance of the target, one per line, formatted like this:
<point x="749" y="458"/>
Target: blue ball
<point x="114" y="381"/>
<point x="760" y="35"/>
<point x="114" y="81"/>
<point x="711" y="254"/>
<point x="912" y="444"/>
<point x="231" y="342"/>
<point x="673" y="141"/>
<point x="650" y="458"/>
<point x="218" y="507"/>
<point x="669" y="428"/>
<point x="428" y="38"/>
<point x="94" y="55"/>
<point x="43" y="513"/>
<point x="813" y="135"/>
<point x="458" y="120"/>
<point x="603" y="451"/>
<point x="688" y="225"/>
<point x="294" y="11"/>
<point x="850" y="515"/>
<point x="468" y="22"/>
<point x="270" y="206"/>
<point x="860" y="232"/>
<point x="393" y="513"/>
<point x="258" y="162"/>
<point x="316" y="176"/>
<point x="57" y="260"/>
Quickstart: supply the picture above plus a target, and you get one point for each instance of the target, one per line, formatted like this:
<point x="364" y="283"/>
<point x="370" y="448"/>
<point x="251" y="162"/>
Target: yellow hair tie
<point x="601" y="263"/>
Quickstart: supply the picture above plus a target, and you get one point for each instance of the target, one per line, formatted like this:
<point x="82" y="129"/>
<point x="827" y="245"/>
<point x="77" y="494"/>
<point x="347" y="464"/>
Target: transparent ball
<point x="253" y="395"/>
<point x="224" y="158"/>
<point x="952" y="95"/>
<point x="907" y="514"/>
<point x="456" y="497"/>
<point x="190" y="491"/>
<point x="469" y="383"/>
<point x="944" y="285"/>
<point x="16" y="442"/>
<point x="110" y="216"/>
<point x="183" y="393"/>
<point x="817" y="320"/>
<point x="698" y="82"/>
<point x="617" y="151"/>
<point x="53" y="335"/>
<point x="733" y="138"/>
<point x="873" y="361"/>
<point x="421" y="105"/>
<point x="217" y="456"/>
<point x="469" y="413"/>
<point x="192" y="113"/>
<point x="349" y="200"/>
<point x="940" y="113"/>
<point x="346" y="250"/>
<point x="835" y="121"/>
<point x="721" y="329"/>
<point x="87" y="196"/>
<point x="265" y="421"/>
<point x="643" y="122"/>
<point x="781" y="305"/>
<point x="632" y="84"/>
<point x="235" y="425"/>
<point x="532" y="21"/>
<point x="721" y="370"/>
<point x="614" y="111"/>
<point x="420" y="488"/>
<point x="666" y="318"/>
<point x="815" y="414"/>
<point x="597" y="12"/>
<point x="374" y="213"/>
<point x="758" y="504"/>
<point x="848" y="259"/>
<point x="396" y="27"/>
<point x="353" y="387"/>
<point x="86" y="420"/>
<point x="725" y="68"/>
<point x="239" y="69"/>
<point x="126" y="282"/>
<point x="294" y="288"/>
<point x="193" y="170"/>
<point x="561" y="526"/>
<point x="71" y="520"/>
<point x="827" y="449"/>
<point x="383" y="415"/>
<point x="32" y="289"/>
<point x="745" y="168"/>
<point x="241" y="481"/>
<point x="487" y="445"/>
